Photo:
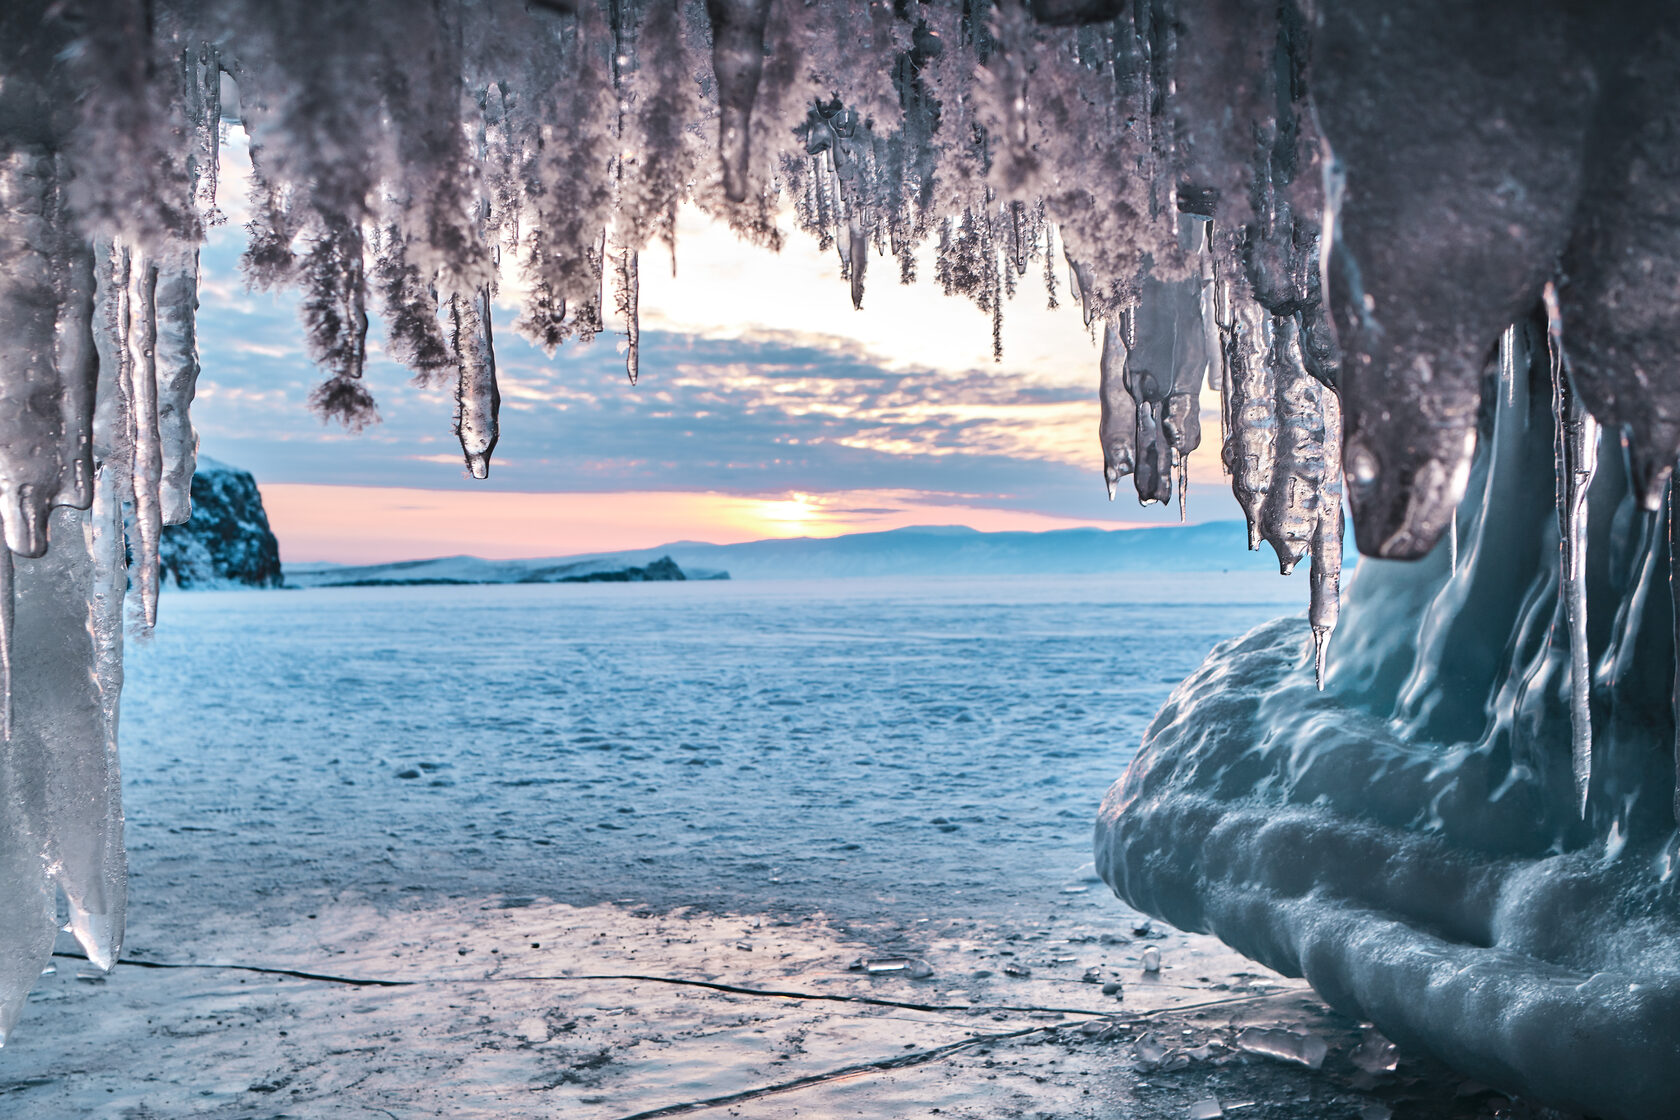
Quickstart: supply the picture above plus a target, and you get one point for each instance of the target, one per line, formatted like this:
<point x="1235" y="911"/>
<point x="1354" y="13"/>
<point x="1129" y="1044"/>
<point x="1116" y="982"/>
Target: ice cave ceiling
<point x="1424" y="245"/>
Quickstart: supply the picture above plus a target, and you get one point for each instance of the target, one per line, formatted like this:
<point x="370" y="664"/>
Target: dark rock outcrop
<point x="227" y="543"/>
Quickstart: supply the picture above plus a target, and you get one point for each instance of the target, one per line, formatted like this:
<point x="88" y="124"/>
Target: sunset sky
<point x="767" y="407"/>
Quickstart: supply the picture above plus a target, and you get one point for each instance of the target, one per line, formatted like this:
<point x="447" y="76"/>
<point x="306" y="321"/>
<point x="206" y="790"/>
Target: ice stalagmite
<point x="477" y="400"/>
<point x="1117" y="426"/>
<point x="738" y="62"/>
<point x="1577" y="461"/>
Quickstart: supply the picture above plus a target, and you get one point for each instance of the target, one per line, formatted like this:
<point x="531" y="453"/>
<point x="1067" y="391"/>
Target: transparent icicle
<point x="140" y="336"/>
<point x="177" y="380"/>
<point x="477" y="400"/>
<point x="1452" y="543"/>
<point x="1117" y="425"/>
<point x="738" y="63"/>
<point x="1576" y="444"/>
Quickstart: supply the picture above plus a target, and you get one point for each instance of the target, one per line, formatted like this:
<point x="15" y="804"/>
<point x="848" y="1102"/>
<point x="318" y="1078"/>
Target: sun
<point x="789" y="516"/>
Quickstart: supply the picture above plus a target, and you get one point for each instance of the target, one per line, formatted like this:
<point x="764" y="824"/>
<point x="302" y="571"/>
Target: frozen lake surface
<point x="608" y="851"/>
<point x="856" y="746"/>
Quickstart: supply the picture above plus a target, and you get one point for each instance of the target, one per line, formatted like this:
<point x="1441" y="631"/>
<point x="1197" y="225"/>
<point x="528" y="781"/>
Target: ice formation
<point x="1412" y="839"/>
<point x="1330" y="213"/>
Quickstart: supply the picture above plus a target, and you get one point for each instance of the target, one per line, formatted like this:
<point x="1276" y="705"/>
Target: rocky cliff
<point x="227" y="543"/>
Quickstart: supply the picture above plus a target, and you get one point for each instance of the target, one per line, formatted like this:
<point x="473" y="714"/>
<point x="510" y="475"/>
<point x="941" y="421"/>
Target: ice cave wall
<point x="1328" y="212"/>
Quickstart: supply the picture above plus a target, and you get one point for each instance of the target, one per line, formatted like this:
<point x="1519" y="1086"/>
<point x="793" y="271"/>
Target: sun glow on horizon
<point x="372" y="524"/>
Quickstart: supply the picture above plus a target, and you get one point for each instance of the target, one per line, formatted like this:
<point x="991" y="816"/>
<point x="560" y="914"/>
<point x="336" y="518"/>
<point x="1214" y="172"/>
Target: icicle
<point x="477" y="400"/>
<point x="201" y="84"/>
<point x="1289" y="515"/>
<point x="1576" y="443"/>
<point x="857" y="238"/>
<point x="32" y="477"/>
<point x="8" y="618"/>
<point x="1183" y="468"/>
<point x="1250" y="450"/>
<point x="1326" y="575"/>
<point x="738" y="63"/>
<point x="1117" y="426"/>
<point x="629" y="301"/>
<point x="140" y="332"/>
<point x="177" y="380"/>
<point x="1508" y="363"/>
<point x="1452" y="543"/>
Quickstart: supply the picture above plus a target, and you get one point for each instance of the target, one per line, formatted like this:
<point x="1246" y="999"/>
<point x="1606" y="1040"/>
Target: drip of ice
<point x="1577" y="462"/>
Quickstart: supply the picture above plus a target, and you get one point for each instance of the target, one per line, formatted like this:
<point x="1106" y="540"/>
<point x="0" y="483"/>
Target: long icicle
<point x="141" y="334"/>
<point x="1576" y="443"/>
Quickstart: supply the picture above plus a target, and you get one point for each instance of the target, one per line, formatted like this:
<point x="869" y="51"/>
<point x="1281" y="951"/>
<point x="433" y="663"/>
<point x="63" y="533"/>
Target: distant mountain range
<point x="918" y="551"/>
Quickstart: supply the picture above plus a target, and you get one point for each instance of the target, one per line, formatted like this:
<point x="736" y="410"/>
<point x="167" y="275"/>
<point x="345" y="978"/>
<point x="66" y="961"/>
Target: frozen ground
<point x="608" y="851"/>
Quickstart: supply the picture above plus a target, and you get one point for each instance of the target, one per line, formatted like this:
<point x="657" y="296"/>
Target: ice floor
<point x="607" y="851"/>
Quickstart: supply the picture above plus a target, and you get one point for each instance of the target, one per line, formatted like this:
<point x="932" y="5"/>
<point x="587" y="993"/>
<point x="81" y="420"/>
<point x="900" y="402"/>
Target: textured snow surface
<point x="1412" y="840"/>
